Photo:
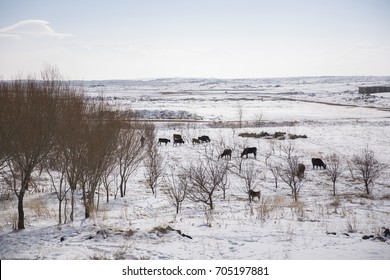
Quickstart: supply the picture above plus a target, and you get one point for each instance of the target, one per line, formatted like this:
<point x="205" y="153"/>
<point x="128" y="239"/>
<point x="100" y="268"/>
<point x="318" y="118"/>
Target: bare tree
<point x="130" y="152"/>
<point x="217" y="172"/>
<point x="288" y="148"/>
<point x="109" y="178"/>
<point x="153" y="162"/>
<point x="274" y="171"/>
<point x="334" y="169"/>
<point x="57" y="176"/>
<point x="203" y="178"/>
<point x="366" y="169"/>
<point x="258" y="119"/>
<point x="35" y="110"/>
<point x="288" y="173"/>
<point x="71" y="143"/>
<point x="101" y="141"/>
<point x="177" y="190"/>
<point x="251" y="179"/>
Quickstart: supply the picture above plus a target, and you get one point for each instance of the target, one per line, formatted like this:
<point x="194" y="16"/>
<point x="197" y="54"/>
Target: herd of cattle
<point x="227" y="153"/>
<point x="178" y="139"/>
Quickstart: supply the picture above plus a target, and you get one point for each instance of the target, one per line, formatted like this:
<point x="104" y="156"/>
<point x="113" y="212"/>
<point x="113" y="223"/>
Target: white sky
<point x="200" y="38"/>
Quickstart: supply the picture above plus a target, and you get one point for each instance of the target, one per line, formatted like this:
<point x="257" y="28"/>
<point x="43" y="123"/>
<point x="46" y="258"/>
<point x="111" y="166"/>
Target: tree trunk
<point x="23" y="189"/>
<point x="20" y="209"/>
<point x="334" y="188"/>
<point x="65" y="208"/>
<point x="71" y="216"/>
<point x="211" y="203"/>
<point x="121" y="187"/>
<point x="59" y="212"/>
<point x="295" y="194"/>
<point x="367" y="187"/>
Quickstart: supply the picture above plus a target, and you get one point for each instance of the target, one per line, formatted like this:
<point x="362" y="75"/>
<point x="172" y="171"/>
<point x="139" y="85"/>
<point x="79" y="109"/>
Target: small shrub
<point x="352" y="224"/>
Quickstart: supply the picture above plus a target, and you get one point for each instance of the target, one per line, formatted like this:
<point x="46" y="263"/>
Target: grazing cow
<point x="301" y="171"/>
<point x="163" y="140"/>
<point x="247" y="151"/>
<point x="318" y="162"/>
<point x="226" y="153"/>
<point x="178" y="141"/>
<point x="204" y="138"/>
<point x="195" y="141"/>
<point x="254" y="194"/>
<point x="177" y="137"/>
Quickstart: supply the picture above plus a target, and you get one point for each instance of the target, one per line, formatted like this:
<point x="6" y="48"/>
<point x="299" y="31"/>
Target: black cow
<point x="163" y="140"/>
<point x="254" y="194"/>
<point x="318" y="162"/>
<point x="177" y="137"/>
<point x="178" y="141"/>
<point x="247" y="151"/>
<point x="226" y="153"/>
<point x="204" y="138"/>
<point x="301" y="171"/>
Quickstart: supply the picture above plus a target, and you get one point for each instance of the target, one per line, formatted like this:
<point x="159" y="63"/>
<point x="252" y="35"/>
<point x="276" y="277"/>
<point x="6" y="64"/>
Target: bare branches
<point x="334" y="169"/>
<point x="251" y="179"/>
<point x="177" y="190"/>
<point x="203" y="179"/>
<point x="153" y="162"/>
<point x="366" y="169"/>
<point x="32" y="112"/>
<point x="130" y="153"/>
<point x="288" y="173"/>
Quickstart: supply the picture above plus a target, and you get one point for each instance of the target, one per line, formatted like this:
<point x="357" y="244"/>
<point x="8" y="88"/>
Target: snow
<point x="329" y="110"/>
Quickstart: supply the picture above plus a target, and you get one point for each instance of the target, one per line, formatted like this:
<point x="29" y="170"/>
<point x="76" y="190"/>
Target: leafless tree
<point x="334" y="169"/>
<point x="34" y="107"/>
<point x="57" y="174"/>
<point x="130" y="151"/>
<point x="101" y="141"/>
<point x="274" y="171"/>
<point x="217" y="172"/>
<point x="366" y="169"/>
<point x="251" y="178"/>
<point x="176" y="189"/>
<point x="71" y="143"/>
<point x="288" y="173"/>
<point x="288" y="148"/>
<point x="153" y="162"/>
<point x="203" y="179"/>
<point x="258" y="119"/>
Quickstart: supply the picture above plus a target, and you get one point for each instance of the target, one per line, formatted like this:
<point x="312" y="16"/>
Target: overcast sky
<point x="199" y="38"/>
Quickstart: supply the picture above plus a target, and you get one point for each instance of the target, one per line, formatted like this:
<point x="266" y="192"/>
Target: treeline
<point x="47" y="126"/>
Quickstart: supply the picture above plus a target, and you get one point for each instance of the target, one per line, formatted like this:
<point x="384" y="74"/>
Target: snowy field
<point x="328" y="110"/>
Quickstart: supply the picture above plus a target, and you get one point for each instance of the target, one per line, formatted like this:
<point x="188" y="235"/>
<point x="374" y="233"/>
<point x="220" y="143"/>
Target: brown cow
<point x="195" y="141"/>
<point x="301" y="171"/>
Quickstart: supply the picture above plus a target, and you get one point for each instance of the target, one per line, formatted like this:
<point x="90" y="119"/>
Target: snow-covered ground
<point x="328" y="110"/>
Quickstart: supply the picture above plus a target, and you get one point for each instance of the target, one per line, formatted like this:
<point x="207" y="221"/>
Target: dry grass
<point x="270" y="207"/>
<point x="39" y="208"/>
